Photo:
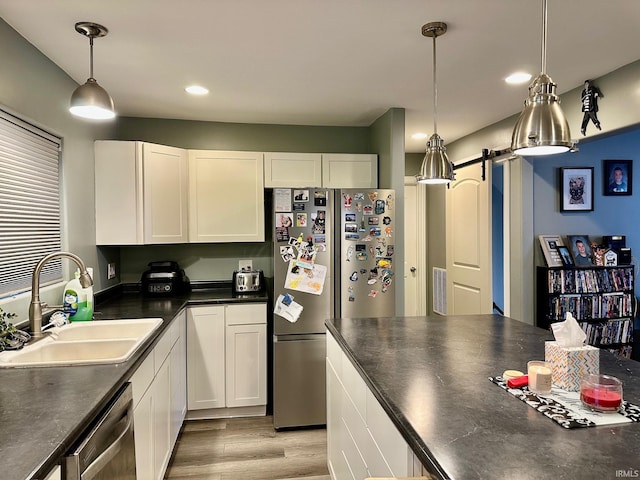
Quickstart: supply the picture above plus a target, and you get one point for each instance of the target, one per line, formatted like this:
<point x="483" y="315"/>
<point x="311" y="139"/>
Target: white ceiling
<point x="329" y="62"/>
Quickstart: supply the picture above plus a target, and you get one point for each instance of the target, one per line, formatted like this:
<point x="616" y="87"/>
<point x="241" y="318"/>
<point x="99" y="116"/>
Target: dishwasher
<point x="107" y="451"/>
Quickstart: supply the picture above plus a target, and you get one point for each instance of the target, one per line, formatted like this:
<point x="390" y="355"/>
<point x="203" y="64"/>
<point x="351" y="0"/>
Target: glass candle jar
<point x="601" y="393"/>
<point x="539" y="373"/>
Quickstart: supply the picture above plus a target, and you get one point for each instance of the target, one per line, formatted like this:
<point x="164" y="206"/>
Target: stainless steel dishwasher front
<point x="107" y="452"/>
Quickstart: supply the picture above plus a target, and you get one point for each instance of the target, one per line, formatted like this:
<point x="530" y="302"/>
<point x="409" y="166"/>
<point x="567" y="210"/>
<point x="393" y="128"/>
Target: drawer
<point x="246" y="314"/>
<point x="142" y="378"/>
<point x="161" y="350"/>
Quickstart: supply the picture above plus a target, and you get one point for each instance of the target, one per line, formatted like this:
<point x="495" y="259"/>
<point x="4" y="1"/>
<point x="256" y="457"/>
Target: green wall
<point x="247" y="137"/>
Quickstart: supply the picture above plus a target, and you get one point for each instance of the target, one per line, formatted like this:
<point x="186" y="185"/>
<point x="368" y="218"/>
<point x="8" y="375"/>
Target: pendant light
<point x="436" y="167"/>
<point x="542" y="128"/>
<point x="91" y="100"/>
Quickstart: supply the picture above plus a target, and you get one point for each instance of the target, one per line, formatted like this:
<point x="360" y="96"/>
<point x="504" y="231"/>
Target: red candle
<point x="600" y="398"/>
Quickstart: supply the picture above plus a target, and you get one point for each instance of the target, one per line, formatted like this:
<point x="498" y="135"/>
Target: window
<point x="29" y="204"/>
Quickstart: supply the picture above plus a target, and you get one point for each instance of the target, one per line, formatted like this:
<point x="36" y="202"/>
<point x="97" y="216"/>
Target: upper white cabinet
<point x="226" y="196"/>
<point x="140" y="193"/>
<point x="292" y="170"/>
<point x="349" y="170"/>
<point x="328" y="170"/>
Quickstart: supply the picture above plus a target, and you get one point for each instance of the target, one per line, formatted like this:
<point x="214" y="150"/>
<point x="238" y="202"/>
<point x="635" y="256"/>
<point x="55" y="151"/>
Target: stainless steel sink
<point x="99" y="342"/>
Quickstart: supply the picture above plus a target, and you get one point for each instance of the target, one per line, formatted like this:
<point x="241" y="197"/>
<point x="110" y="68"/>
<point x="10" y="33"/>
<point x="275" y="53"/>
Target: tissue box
<point x="569" y="365"/>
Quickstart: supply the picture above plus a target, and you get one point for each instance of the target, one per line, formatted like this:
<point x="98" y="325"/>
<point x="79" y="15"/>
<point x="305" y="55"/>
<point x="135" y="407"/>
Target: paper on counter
<point x="287" y="308"/>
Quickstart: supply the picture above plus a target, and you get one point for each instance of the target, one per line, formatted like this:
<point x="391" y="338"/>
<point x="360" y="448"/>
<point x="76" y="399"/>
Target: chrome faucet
<point x="36" y="306"/>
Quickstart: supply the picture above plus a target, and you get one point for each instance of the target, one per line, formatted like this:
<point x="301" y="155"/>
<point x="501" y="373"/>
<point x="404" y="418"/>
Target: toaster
<point x="248" y="281"/>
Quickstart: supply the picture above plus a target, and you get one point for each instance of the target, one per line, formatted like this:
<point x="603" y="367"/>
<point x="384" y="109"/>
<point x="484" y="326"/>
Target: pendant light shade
<point x="436" y="167"/>
<point x="542" y="128"/>
<point x="91" y="100"/>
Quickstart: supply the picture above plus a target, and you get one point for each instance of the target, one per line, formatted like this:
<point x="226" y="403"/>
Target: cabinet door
<point x="165" y="194"/>
<point x="143" y="431"/>
<point x="349" y="170"/>
<point x="226" y="197"/>
<point x="178" y="358"/>
<point x="118" y="193"/>
<point x="162" y="419"/>
<point x="205" y="357"/>
<point x="292" y="170"/>
<point x="246" y="383"/>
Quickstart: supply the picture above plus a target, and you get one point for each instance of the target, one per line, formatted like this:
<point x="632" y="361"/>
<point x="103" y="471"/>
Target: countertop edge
<point x="414" y="441"/>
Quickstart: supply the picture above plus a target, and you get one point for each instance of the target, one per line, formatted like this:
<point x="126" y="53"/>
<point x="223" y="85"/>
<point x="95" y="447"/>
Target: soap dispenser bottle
<point x="77" y="302"/>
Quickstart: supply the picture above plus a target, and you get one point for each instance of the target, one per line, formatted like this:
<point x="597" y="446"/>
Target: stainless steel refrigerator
<point x="333" y="256"/>
<point x="303" y="273"/>
<point x="367" y="253"/>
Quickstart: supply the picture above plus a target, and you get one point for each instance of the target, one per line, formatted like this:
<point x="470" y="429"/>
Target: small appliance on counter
<point x="247" y="281"/>
<point x="164" y="278"/>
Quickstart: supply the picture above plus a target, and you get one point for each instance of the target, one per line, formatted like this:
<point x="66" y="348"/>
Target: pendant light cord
<point x="435" y="89"/>
<point x="91" y="56"/>
<point x="544" y="36"/>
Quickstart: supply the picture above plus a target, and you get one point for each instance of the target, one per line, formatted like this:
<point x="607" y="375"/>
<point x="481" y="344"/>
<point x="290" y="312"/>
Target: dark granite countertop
<point x="431" y="376"/>
<point x="45" y="410"/>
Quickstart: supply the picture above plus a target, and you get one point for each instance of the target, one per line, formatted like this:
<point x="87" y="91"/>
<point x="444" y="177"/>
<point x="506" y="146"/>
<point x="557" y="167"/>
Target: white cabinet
<point x="178" y="357"/>
<point x="362" y="441"/>
<point x="140" y="193"/>
<point x="226" y="360"/>
<point x="159" y="402"/>
<point x="292" y="170"/>
<point x="246" y="346"/>
<point x="327" y="170"/>
<point x="349" y="170"/>
<point x="226" y="196"/>
<point x="205" y="357"/>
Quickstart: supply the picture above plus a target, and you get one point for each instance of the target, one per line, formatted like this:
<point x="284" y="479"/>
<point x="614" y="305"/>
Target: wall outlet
<point x="111" y="271"/>
<point x="245" y="264"/>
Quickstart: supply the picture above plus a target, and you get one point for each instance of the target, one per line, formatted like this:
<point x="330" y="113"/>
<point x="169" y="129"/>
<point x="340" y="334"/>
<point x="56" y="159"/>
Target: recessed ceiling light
<point x="419" y="136"/>
<point x="197" y="90"/>
<point x="518" y="77"/>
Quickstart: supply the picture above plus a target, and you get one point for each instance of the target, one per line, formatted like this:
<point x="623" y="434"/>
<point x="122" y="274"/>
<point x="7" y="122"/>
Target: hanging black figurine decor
<point x="589" y="99"/>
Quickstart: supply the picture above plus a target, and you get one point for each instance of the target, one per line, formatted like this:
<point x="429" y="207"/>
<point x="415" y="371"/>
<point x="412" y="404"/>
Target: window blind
<point x="29" y="204"/>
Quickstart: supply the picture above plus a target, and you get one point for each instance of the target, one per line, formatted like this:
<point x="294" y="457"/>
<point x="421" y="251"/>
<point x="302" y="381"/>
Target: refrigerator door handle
<point x="298" y="338"/>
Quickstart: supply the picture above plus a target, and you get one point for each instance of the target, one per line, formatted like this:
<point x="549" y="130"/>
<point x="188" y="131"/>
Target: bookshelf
<point x="601" y="299"/>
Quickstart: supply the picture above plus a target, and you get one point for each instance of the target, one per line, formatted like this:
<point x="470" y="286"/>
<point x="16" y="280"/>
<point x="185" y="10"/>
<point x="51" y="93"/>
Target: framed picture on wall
<point x="576" y="189"/>
<point x="617" y="177"/>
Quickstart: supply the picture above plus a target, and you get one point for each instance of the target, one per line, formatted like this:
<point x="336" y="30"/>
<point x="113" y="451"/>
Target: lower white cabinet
<point x="227" y="360"/>
<point x="362" y="441"/>
<point x="159" y="402"/>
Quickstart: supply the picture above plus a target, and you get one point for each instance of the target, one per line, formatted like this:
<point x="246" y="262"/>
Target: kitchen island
<point x="45" y="410"/>
<point x="430" y="376"/>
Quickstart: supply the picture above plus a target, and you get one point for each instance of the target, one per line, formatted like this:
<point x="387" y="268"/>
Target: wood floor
<point x="248" y="449"/>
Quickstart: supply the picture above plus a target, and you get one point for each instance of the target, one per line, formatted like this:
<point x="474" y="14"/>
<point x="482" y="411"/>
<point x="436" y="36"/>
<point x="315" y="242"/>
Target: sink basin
<point x="98" y="342"/>
<point x="107" y="329"/>
<point x="89" y="351"/>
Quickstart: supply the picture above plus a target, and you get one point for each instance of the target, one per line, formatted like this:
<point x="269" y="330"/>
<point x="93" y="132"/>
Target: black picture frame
<point x="618" y="177"/>
<point x="565" y="256"/>
<point x="576" y="189"/>
<point x="578" y="259"/>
